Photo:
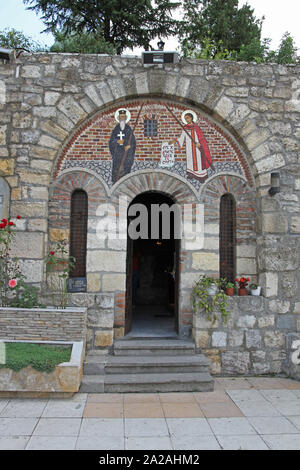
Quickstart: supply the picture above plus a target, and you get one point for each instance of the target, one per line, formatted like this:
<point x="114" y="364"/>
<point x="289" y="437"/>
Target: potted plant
<point x="255" y="289"/>
<point x="242" y="283"/>
<point x="204" y="299"/>
<point x="229" y="289"/>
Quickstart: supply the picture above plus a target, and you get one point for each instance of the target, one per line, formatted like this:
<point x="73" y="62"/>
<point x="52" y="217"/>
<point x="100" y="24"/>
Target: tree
<point x="226" y="25"/>
<point x="287" y="51"/>
<point x="121" y="23"/>
<point x="13" y="39"/>
<point x="84" y="43"/>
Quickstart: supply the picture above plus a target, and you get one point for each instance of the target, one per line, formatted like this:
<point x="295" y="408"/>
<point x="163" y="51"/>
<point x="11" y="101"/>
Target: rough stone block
<point x="113" y="282"/>
<point x="99" y="318"/>
<point x="235" y="338"/>
<point x="219" y="339"/>
<point x="28" y="245"/>
<point x="251" y="303"/>
<point x="111" y="261"/>
<point x="235" y="362"/>
<point x="274" y="223"/>
<point x="6" y="166"/>
<point x="246" y="321"/>
<point x="201" y="338"/>
<point x="269" y="284"/>
<point x="274" y="339"/>
<point x="266" y="321"/>
<point x="33" y="270"/>
<point x="253" y="339"/>
<point x="205" y="261"/>
<point x="286" y="322"/>
<point x="105" y="301"/>
<point x="279" y="306"/>
<point x="103" y="338"/>
<point x="93" y="282"/>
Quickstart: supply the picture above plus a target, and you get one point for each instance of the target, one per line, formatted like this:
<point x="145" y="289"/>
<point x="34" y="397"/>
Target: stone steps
<point x="156" y="364"/>
<point x="159" y="347"/>
<point x="147" y="365"/>
<point x="123" y="383"/>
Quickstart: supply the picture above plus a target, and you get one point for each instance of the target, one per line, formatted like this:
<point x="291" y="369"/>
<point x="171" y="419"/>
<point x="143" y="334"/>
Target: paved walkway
<point x="242" y="413"/>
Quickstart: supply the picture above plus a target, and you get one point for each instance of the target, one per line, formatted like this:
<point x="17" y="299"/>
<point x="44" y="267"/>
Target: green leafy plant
<point x="210" y="304"/>
<point x="60" y="262"/>
<point x="229" y="285"/>
<point x="253" y="286"/>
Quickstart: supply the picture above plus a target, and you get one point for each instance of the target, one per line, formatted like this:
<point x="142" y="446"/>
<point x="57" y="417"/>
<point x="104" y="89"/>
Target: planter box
<point x="65" y="378"/>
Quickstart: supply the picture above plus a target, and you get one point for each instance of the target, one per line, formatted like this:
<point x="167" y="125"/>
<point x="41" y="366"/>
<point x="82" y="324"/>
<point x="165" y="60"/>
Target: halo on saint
<point x="188" y="111"/>
<point x="128" y="115"/>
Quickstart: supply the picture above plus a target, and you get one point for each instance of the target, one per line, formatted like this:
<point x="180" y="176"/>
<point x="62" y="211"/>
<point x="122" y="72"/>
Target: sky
<point x="279" y="18"/>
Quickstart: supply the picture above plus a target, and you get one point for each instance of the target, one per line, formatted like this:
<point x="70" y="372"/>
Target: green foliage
<point x="122" y="24"/>
<point x="287" y="51"/>
<point x="84" y="43"/>
<point x="27" y="296"/>
<point x="39" y="357"/>
<point x="256" y="51"/>
<point x="13" y="39"/>
<point x="60" y="261"/>
<point x="210" y="304"/>
<point x="223" y="24"/>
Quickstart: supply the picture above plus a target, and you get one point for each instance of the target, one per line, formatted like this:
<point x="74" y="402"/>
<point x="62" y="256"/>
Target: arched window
<point x="78" y="231"/>
<point x="227" y="237"/>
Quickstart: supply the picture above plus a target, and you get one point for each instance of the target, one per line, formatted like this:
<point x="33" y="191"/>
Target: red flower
<point x="2" y="225"/>
<point x="52" y="253"/>
<point x="12" y="283"/>
<point x="18" y="217"/>
<point x="11" y="223"/>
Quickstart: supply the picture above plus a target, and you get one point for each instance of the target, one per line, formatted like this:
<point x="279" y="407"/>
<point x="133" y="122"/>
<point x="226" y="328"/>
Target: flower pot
<point x="242" y="291"/>
<point x="229" y="291"/>
<point x="212" y="290"/>
<point x="256" y="291"/>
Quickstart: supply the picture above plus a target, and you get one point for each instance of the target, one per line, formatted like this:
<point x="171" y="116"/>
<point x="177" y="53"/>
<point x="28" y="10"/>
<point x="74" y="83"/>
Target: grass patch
<point x="39" y="356"/>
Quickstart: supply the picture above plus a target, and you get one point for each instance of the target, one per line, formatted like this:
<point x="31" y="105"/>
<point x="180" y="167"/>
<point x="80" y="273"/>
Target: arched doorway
<point x="152" y="266"/>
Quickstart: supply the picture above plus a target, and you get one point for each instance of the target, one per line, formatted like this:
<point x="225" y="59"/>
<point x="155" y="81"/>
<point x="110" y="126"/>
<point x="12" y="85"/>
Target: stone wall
<point x="46" y="104"/>
<point x="252" y="342"/>
<point x="43" y="324"/>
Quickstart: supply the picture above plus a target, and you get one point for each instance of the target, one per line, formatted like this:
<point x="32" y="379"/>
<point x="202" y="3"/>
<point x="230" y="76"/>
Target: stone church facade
<point x="58" y="113"/>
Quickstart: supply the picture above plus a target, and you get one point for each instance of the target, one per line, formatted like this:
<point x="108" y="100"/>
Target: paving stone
<point x="51" y="443"/>
<point x="105" y="427"/>
<point x="274" y="425"/>
<point x="148" y="443"/>
<point x="195" y="443"/>
<point x="141" y="427"/>
<point x="253" y="408"/>
<point x="100" y="443"/>
<point x="279" y="394"/>
<point x="188" y="426"/>
<point x="24" y="409"/>
<point x="282" y="441"/>
<point x="241" y="443"/>
<point x="64" y="409"/>
<point x="287" y="408"/>
<point x="246" y="395"/>
<point x="228" y="426"/>
<point x="17" y="426"/>
<point x="57" y="427"/>
<point x="13" y="442"/>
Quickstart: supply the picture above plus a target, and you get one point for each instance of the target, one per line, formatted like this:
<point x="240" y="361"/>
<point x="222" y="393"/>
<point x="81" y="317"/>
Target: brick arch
<point x="60" y="199"/>
<point x="155" y="180"/>
<point x="245" y="217"/>
<point x="83" y="142"/>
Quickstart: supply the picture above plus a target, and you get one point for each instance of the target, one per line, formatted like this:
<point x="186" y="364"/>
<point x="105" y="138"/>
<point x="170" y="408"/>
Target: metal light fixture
<point x="275" y="184"/>
<point x="160" y="45"/>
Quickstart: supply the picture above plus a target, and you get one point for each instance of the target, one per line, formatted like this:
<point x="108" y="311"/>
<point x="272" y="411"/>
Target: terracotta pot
<point x="242" y="291"/>
<point x="229" y="291"/>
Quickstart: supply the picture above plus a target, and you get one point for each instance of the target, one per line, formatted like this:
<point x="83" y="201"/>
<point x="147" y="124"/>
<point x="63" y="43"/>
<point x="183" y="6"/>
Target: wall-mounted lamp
<point x="275" y="184"/>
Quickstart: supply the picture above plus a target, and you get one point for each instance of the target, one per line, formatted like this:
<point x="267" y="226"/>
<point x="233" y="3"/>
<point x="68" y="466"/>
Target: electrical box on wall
<point x="159" y="57"/>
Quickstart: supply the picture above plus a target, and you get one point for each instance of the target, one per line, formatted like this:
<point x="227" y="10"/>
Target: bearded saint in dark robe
<point x="122" y="145"/>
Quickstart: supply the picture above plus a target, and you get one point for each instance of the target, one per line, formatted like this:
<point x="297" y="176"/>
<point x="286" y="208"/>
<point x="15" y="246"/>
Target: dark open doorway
<point x="152" y="275"/>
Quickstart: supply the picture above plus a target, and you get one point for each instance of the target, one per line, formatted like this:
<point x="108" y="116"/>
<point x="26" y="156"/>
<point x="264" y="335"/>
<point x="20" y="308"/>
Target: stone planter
<point x="65" y="378"/>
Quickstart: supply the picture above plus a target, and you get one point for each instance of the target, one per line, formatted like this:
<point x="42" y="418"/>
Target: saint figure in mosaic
<point x="122" y="145"/>
<point x="198" y="158"/>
